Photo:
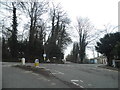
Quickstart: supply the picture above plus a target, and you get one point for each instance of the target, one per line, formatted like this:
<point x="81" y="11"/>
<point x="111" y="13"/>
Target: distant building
<point x="98" y="60"/>
<point x="93" y="61"/>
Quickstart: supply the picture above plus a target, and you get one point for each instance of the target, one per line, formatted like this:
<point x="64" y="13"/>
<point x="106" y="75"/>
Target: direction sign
<point x="44" y="55"/>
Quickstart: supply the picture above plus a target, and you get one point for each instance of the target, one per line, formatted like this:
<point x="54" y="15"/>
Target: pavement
<point x="68" y="75"/>
<point x="108" y="67"/>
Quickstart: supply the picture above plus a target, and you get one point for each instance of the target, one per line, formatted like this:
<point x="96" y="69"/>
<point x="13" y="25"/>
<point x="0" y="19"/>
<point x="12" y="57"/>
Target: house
<point x="116" y="63"/>
<point x="98" y="60"/>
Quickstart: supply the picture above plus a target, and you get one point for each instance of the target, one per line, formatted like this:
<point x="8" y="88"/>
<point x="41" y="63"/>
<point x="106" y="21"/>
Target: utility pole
<point x="44" y="55"/>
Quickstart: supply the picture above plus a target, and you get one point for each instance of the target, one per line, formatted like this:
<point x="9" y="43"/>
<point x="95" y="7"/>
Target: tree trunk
<point x="109" y="61"/>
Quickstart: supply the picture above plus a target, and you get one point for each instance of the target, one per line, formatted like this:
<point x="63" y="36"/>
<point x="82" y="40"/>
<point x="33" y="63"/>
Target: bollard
<point x="36" y="62"/>
<point x="23" y="61"/>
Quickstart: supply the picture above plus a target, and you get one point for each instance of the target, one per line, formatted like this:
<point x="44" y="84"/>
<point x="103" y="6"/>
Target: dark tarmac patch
<point x="41" y="71"/>
<point x="45" y="73"/>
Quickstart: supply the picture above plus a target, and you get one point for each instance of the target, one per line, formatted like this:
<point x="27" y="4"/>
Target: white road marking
<point x="48" y="80"/>
<point x="41" y="67"/>
<point x="89" y="84"/>
<point x="73" y="81"/>
<point x="48" y="69"/>
<point x="55" y="73"/>
<point x="59" y="72"/>
<point x="6" y="65"/>
<point x="81" y="86"/>
<point x="53" y="83"/>
<point x="81" y="81"/>
<point x="27" y="71"/>
<point x="35" y="74"/>
<point x="42" y="78"/>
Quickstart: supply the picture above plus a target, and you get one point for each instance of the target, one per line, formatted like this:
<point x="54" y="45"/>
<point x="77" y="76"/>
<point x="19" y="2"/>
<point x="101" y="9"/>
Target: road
<point x="66" y="76"/>
<point x="0" y="75"/>
<point x="18" y="78"/>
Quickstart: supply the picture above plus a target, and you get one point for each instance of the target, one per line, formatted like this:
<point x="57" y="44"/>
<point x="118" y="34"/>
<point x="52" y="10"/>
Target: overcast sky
<point x="100" y="13"/>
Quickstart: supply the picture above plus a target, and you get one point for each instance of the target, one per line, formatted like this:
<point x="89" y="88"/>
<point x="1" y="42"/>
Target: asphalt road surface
<point x="0" y="75"/>
<point x="68" y="75"/>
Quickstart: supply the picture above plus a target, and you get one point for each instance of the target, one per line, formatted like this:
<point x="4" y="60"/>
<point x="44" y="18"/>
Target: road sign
<point x="44" y="55"/>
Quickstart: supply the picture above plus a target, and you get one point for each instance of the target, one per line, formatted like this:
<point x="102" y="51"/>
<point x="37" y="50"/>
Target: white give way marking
<point x="58" y="72"/>
<point x="75" y="83"/>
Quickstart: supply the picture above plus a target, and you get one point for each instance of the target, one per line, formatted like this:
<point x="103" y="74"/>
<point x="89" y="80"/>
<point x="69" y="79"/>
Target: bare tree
<point x="34" y="10"/>
<point x="84" y="28"/>
<point x="58" y="36"/>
